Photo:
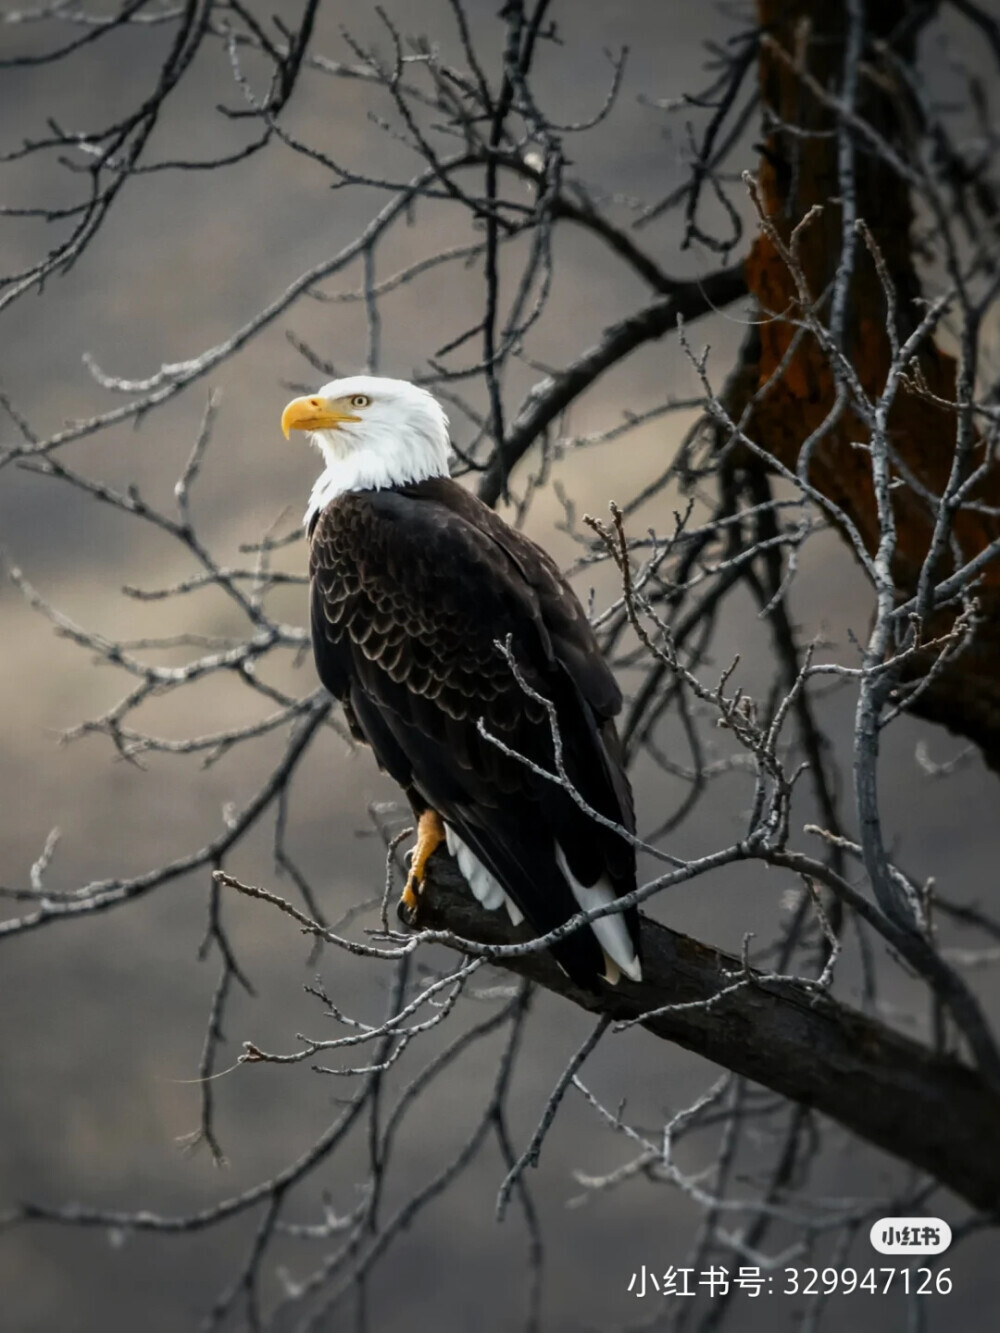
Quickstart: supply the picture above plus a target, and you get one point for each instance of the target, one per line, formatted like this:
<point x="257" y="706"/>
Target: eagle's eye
<point x="360" y="400"/>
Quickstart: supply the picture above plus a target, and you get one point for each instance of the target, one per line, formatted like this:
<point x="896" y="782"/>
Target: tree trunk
<point x="801" y="66"/>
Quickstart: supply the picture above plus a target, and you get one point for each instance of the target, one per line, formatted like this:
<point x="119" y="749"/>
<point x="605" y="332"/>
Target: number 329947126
<point x="876" y="1281"/>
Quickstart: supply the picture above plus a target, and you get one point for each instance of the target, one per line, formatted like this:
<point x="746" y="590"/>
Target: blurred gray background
<point x="102" y="1020"/>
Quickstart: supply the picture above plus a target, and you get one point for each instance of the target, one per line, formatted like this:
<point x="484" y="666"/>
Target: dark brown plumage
<point x="412" y="587"/>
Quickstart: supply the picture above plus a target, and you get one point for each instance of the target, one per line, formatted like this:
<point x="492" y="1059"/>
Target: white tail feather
<point x="485" y="887"/>
<point x="611" y="931"/>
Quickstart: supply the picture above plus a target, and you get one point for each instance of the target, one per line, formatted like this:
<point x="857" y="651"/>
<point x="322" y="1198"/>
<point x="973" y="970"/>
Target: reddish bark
<point x="794" y="174"/>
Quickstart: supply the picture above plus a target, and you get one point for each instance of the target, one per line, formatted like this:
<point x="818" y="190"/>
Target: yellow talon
<point x="430" y="836"/>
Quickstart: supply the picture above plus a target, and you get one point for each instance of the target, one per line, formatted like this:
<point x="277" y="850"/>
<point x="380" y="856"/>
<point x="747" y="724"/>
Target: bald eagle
<point x="417" y="588"/>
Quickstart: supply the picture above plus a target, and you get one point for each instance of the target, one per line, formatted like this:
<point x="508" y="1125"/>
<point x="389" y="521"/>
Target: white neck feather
<point x="367" y="470"/>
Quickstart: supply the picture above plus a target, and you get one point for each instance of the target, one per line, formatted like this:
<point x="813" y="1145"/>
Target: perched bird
<point x="423" y="601"/>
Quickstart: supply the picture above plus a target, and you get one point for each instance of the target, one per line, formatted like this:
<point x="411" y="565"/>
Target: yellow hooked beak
<point x="313" y="414"/>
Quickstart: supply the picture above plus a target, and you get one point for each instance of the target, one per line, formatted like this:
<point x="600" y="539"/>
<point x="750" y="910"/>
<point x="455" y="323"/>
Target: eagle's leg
<point x="430" y="836"/>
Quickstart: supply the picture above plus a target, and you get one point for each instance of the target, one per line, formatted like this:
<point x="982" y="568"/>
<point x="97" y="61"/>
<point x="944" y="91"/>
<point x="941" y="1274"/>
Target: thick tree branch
<point x="884" y="1087"/>
<point x="553" y="395"/>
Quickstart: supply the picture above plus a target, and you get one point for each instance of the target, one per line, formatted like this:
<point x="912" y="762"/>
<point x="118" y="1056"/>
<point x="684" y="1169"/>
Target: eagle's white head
<point x="373" y="432"/>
